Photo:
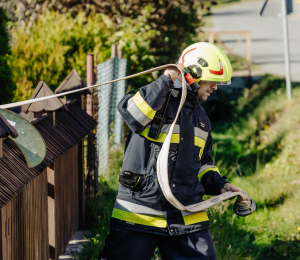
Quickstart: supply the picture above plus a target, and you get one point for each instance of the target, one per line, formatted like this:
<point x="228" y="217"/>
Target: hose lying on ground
<point x="243" y="206"/>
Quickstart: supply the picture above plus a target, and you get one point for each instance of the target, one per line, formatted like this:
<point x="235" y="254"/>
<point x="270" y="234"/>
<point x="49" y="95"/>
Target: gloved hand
<point x="229" y="187"/>
<point x="172" y="73"/>
<point x="242" y="201"/>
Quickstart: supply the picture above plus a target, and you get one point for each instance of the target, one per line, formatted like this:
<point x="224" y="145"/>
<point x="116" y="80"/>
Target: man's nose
<point x="214" y="86"/>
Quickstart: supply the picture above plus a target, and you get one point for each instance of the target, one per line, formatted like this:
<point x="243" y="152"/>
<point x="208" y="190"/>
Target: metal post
<point x="286" y="51"/>
<point x="120" y="54"/>
<point x="248" y="56"/>
<point x="113" y="50"/>
<point x="89" y="110"/>
<point x="211" y="38"/>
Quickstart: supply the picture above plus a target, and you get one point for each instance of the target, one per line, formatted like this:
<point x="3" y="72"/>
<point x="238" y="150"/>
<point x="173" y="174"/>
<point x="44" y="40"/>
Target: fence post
<point x="113" y="50"/>
<point x="119" y="122"/>
<point x="120" y="54"/>
<point x="89" y="110"/>
<point x="211" y="38"/>
<point x="52" y="236"/>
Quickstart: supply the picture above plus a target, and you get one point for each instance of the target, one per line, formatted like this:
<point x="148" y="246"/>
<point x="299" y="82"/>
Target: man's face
<point x="205" y="90"/>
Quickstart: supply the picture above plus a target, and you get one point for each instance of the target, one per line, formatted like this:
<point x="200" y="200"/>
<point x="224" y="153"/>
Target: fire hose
<point x="243" y="205"/>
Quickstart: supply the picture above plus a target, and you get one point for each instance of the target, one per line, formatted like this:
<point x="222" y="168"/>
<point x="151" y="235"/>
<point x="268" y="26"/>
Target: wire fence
<point x="110" y="122"/>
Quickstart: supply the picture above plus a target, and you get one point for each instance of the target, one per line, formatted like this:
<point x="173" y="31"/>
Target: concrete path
<point x="267" y="36"/>
<point x="76" y="245"/>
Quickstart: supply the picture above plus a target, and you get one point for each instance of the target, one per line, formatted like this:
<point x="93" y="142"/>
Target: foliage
<point x="58" y="43"/>
<point x="257" y="148"/>
<point x="176" y="21"/>
<point x="7" y="86"/>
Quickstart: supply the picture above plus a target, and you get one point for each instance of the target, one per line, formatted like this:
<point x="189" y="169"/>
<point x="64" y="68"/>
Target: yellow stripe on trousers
<point x="139" y="219"/>
<point x="195" y="218"/>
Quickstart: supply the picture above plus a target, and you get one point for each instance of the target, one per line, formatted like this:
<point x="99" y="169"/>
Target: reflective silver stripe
<point x="200" y="133"/>
<point x="186" y="213"/>
<point x="138" y="209"/>
<point x="205" y="167"/>
<point x="136" y="113"/>
<point x="165" y="129"/>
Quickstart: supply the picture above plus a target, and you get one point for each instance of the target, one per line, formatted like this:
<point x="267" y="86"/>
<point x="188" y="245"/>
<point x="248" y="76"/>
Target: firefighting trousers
<point x="134" y="245"/>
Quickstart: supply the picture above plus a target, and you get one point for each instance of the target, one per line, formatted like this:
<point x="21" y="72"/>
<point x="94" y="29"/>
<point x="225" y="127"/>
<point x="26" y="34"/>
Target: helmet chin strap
<point x="162" y="161"/>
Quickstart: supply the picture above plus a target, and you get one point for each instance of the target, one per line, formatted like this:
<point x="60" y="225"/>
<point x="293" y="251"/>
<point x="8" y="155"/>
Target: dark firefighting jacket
<point x="140" y="203"/>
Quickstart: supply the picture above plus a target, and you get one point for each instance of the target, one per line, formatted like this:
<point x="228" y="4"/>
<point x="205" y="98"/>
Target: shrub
<point x="57" y="43"/>
<point x="7" y="86"/>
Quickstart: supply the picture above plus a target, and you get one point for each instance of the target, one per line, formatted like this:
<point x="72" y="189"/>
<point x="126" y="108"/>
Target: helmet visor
<point x="216" y="82"/>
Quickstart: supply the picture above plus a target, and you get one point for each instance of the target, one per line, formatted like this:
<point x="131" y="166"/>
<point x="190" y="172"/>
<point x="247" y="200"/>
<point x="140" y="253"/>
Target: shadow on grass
<point x="246" y="161"/>
<point x="234" y="243"/>
<point x="274" y="202"/>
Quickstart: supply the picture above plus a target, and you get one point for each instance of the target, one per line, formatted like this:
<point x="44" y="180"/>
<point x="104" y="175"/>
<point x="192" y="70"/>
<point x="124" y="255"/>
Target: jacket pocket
<point x="132" y="180"/>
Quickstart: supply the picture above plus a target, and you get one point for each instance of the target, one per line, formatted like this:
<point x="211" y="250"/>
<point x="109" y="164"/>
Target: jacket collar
<point x="191" y="100"/>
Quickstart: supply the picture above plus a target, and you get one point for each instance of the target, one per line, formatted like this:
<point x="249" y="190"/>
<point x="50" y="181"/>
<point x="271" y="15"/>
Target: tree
<point x="7" y="86"/>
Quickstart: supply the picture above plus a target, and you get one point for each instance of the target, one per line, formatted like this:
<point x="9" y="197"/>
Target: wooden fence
<point x="24" y="223"/>
<point x="42" y="207"/>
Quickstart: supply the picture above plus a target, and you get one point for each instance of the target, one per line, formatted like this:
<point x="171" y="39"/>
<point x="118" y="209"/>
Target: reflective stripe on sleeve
<point x="139" y="219"/>
<point x="143" y="106"/>
<point x="137" y="113"/>
<point x="190" y="219"/>
<point x="138" y="209"/>
<point x="205" y="168"/>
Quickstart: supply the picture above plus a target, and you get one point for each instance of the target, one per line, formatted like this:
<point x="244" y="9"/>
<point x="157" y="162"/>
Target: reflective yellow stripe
<point x="201" y="143"/>
<point x="209" y="169"/>
<point x="175" y="139"/>
<point x="139" y="219"/>
<point x="162" y="136"/>
<point x="195" y="218"/>
<point x="143" y="106"/>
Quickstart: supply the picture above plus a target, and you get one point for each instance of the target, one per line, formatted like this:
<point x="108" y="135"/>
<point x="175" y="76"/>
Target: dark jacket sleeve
<point x="209" y="174"/>
<point x="140" y="109"/>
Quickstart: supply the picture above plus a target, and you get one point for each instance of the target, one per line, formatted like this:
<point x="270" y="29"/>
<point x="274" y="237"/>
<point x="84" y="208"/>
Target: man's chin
<point x="203" y="98"/>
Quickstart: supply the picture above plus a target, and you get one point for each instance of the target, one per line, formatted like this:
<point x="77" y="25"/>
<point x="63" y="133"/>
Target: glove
<point x="172" y="73"/>
<point x="242" y="201"/>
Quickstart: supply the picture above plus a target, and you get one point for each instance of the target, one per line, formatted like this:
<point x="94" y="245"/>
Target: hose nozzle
<point x="244" y="205"/>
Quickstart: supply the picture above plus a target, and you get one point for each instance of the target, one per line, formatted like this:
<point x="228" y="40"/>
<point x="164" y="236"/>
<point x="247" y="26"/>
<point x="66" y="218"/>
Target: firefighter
<point x="142" y="218"/>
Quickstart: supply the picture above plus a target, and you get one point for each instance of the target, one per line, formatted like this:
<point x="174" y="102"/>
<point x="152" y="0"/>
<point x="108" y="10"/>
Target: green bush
<point x="7" y="86"/>
<point x="57" y="43"/>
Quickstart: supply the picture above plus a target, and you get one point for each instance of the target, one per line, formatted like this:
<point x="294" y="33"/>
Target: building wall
<point x="24" y="223"/>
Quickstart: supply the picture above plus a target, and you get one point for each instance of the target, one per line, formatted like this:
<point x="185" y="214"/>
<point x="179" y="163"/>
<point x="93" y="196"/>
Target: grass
<point x="257" y="146"/>
<point x="99" y="207"/>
